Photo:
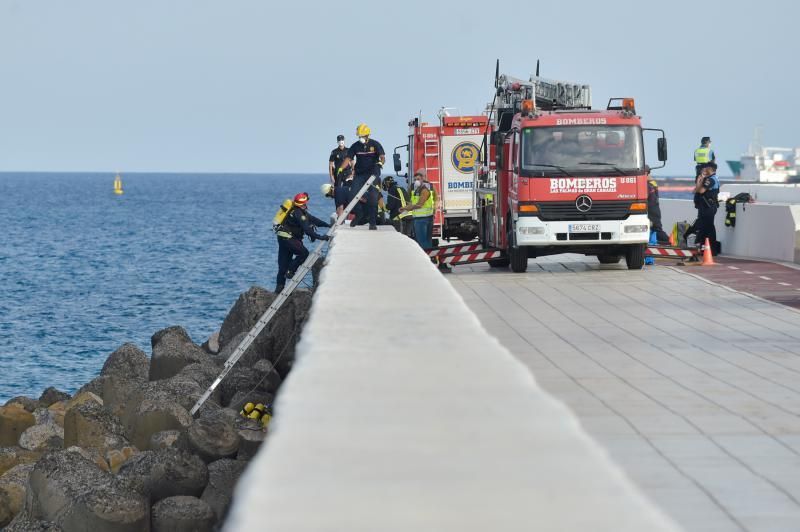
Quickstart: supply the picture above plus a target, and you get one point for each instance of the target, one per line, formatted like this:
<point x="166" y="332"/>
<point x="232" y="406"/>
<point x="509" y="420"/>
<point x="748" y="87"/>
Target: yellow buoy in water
<point x="118" y="185"/>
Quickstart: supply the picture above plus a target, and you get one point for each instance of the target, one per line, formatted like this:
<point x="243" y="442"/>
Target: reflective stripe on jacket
<point x="401" y="195"/>
<point x="427" y="207"/>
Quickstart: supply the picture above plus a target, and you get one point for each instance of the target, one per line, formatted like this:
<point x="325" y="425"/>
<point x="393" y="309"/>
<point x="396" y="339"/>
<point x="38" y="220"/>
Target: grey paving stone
<point x="706" y="421"/>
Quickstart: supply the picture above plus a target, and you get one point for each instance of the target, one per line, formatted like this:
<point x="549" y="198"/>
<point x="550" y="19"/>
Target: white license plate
<point x="584" y="228"/>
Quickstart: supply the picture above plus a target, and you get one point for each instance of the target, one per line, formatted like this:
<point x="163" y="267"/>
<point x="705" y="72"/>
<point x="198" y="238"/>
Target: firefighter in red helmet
<point x="291" y="251"/>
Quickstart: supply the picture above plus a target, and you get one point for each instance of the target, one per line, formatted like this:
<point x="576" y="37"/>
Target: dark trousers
<point x="404" y="225"/>
<point x="704" y="227"/>
<point x="365" y="210"/>
<point x="288" y="248"/>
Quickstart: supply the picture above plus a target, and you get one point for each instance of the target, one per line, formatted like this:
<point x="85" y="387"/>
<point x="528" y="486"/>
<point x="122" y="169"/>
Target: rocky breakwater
<point x="123" y="453"/>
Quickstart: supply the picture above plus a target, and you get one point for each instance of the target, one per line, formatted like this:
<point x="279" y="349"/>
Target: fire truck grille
<point x="601" y="210"/>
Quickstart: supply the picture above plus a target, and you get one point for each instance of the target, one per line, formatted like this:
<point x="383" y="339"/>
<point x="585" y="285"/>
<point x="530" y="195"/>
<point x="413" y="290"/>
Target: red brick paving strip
<point x="771" y="281"/>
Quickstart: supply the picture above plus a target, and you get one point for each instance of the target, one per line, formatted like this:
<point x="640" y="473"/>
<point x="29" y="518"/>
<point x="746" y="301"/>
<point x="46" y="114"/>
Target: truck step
<point x="670" y="252"/>
<point x="454" y="249"/>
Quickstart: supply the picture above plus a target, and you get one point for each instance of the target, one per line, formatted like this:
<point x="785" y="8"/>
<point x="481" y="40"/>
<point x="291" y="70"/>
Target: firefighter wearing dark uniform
<point x="654" y="209"/>
<point x="298" y="222"/>
<point x="340" y="180"/>
<point x="370" y="157"/>
<point x="705" y="201"/>
<point x="398" y="198"/>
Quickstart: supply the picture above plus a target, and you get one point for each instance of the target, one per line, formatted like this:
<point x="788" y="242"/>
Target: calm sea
<point x="82" y="271"/>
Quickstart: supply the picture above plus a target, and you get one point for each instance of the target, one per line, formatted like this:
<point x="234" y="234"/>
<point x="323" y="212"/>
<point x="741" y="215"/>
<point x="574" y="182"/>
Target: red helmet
<point x="301" y="199"/>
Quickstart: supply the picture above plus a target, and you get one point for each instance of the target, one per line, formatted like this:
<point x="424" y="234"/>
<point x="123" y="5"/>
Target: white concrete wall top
<point x="403" y="413"/>
<point x="766" y="193"/>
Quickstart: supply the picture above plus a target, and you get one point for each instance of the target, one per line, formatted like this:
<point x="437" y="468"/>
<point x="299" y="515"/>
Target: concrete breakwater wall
<point x="123" y="453"/>
<point x="403" y="413"/>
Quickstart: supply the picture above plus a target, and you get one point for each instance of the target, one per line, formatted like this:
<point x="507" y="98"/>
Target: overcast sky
<point x="262" y="86"/>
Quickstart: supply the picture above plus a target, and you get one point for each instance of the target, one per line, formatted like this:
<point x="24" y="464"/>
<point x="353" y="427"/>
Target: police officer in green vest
<point x="703" y="155"/>
<point x="421" y="208"/>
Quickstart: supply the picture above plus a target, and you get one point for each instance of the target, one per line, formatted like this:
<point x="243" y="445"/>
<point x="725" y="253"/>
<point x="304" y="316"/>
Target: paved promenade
<point x="693" y="388"/>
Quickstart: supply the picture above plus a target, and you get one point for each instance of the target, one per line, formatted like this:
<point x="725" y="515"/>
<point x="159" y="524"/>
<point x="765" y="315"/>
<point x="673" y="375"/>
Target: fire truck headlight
<point x="531" y="230"/>
<point x="636" y="228"/>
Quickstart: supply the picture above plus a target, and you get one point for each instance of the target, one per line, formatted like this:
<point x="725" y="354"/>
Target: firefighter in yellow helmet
<point x="369" y="160"/>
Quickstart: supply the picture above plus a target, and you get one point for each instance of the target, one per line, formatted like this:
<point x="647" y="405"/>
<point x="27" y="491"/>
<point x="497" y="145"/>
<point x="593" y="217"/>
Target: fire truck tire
<point x="499" y="263"/>
<point x="608" y="259"/>
<point x="634" y="256"/>
<point x="518" y="257"/>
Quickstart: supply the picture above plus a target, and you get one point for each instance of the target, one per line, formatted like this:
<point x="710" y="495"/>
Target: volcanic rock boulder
<point x="154" y="414"/>
<point x="52" y="395"/>
<point x="25" y="402"/>
<point x="172" y="351"/>
<point x="213" y="436"/>
<point x="14" y="456"/>
<point x="239" y="379"/>
<point x="45" y="435"/>
<point x="169" y="439"/>
<point x="247" y="310"/>
<point x="164" y="473"/>
<point x="212" y="344"/>
<point x="125" y="371"/>
<point x="73" y="493"/>
<point x="23" y="523"/>
<point x="14" y="419"/>
<point x="182" y="514"/>
<point x="94" y="386"/>
<point x="268" y="378"/>
<point x="222" y="478"/>
<point x="128" y="362"/>
<point x="90" y="425"/>
<point x="251" y="435"/>
<point x="13" y="484"/>
<point x="203" y="374"/>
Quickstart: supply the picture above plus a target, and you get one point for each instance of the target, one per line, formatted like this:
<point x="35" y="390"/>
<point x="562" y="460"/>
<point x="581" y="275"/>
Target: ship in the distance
<point x="767" y="164"/>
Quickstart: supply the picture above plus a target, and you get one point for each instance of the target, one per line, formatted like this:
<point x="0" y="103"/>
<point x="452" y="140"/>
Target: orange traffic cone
<point x="708" y="258"/>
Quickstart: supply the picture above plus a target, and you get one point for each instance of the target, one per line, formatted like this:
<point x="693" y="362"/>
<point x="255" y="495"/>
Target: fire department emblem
<point x="464" y="157"/>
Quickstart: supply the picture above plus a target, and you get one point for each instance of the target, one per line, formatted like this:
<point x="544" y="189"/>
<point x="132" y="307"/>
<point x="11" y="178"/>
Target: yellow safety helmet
<point x="363" y="130"/>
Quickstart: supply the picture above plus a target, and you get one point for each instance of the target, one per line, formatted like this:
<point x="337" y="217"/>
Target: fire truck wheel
<point x="499" y="263"/>
<point x="634" y="256"/>
<point x="518" y="257"/>
<point x="608" y="259"/>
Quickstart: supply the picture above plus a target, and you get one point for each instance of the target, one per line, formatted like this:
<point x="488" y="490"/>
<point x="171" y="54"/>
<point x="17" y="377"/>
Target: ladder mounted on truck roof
<point x="548" y="94"/>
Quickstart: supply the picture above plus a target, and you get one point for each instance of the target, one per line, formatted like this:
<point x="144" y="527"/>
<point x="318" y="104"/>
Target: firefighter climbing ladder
<point x="279" y="300"/>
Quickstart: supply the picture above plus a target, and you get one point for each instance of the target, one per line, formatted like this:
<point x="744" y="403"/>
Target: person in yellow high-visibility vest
<point x="703" y="155"/>
<point x="421" y="207"/>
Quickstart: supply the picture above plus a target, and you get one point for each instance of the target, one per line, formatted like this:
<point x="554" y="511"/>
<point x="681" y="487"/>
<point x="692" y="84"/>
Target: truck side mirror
<point x="397" y="164"/>
<point x="662" y="149"/>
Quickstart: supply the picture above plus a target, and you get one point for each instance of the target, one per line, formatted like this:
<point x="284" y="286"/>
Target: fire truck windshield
<point x="581" y="149"/>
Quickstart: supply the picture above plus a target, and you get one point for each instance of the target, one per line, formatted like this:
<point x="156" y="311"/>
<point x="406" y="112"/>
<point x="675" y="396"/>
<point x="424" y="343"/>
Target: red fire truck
<point x="556" y="176"/>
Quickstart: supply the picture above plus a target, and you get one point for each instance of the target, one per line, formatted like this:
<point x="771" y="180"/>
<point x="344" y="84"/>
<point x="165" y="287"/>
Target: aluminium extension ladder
<point x="279" y="300"/>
